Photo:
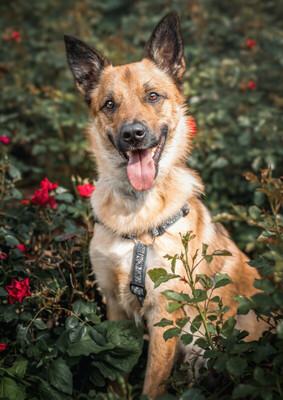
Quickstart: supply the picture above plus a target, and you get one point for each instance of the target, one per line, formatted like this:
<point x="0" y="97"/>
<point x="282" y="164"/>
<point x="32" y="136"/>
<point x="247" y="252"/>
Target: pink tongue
<point x="141" y="169"/>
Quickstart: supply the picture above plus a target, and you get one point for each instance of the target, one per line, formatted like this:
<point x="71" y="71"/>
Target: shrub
<point x="52" y="318"/>
<point x="241" y="369"/>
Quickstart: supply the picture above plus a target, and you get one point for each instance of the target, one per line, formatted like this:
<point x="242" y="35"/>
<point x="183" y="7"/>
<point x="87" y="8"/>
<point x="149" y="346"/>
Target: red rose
<point x="252" y="85"/>
<point x="41" y="197"/>
<point x="16" y="35"/>
<point x="192" y="126"/>
<point x="21" y="247"/>
<point x="46" y="185"/>
<point x="2" y="346"/>
<point x="3" y="256"/>
<point x="4" y="139"/>
<point x="18" y="290"/>
<point x="85" y="191"/>
<point x="250" y="43"/>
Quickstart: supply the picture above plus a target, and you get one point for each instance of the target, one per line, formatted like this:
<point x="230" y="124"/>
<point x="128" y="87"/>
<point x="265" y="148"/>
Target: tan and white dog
<point x="139" y="137"/>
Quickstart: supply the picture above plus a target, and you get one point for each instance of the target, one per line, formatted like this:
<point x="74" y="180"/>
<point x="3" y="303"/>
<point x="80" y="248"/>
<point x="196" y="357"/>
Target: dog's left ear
<point x="165" y="47"/>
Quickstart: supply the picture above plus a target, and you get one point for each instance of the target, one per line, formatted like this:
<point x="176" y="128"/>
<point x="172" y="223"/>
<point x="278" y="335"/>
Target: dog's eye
<point x="153" y="96"/>
<point x="110" y="105"/>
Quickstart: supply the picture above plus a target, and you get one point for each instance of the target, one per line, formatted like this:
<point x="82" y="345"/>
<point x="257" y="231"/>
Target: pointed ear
<point x="165" y="47"/>
<point x="85" y="63"/>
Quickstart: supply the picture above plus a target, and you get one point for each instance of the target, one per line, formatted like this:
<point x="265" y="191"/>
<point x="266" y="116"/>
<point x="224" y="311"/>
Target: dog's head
<point x="137" y="110"/>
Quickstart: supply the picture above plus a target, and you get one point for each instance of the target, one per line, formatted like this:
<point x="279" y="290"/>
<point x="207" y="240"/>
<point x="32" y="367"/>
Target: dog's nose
<point x="132" y="133"/>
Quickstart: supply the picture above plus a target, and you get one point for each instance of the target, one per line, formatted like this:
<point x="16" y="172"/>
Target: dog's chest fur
<point x="112" y="259"/>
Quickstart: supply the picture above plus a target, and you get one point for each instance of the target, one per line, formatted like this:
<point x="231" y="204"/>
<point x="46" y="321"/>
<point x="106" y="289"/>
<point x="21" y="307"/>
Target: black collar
<point x="137" y="284"/>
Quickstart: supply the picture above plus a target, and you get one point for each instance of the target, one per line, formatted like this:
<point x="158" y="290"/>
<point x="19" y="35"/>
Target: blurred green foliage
<point x="239" y="126"/>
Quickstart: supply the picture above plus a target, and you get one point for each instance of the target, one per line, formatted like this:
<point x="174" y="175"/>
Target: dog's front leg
<point x="114" y="311"/>
<point x="160" y="358"/>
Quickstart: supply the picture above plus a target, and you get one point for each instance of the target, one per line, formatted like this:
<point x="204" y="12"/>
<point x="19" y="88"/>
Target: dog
<point x="140" y="139"/>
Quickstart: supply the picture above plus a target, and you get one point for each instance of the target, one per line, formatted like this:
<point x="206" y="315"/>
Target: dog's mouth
<point x="142" y="165"/>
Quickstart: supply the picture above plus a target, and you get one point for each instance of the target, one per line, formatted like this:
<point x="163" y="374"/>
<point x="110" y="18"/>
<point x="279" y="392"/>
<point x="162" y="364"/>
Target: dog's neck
<point x="126" y="211"/>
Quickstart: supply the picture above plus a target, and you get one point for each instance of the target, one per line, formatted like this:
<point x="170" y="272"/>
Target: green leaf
<point x="67" y="197"/>
<point x="181" y="322"/>
<point x="18" y="369"/>
<point x="11" y="241"/>
<point x="242" y="391"/>
<point x="265" y="285"/>
<point x="39" y="324"/>
<point x="170" y="333"/>
<point x="195" y="324"/>
<point x="263" y="352"/>
<point x="97" y="333"/>
<point x="221" y="253"/>
<point x="97" y="378"/>
<point x="192" y="394"/>
<point x="215" y="299"/>
<point x="262" y="263"/>
<point x="199" y="296"/>
<point x="202" y="343"/>
<point x="240" y="210"/>
<point x="87" y="346"/>
<point x="45" y="391"/>
<point x="228" y="326"/>
<point x="172" y="295"/>
<point x="254" y="212"/>
<point x="244" y="306"/>
<point x="77" y="333"/>
<point x="16" y="194"/>
<point x="222" y="280"/>
<point x="156" y="273"/>
<point x="71" y="322"/>
<point x="171" y="307"/>
<point x="236" y="366"/>
<point x="220" y="363"/>
<point x="173" y="263"/>
<point x="14" y="173"/>
<point x="10" y="390"/>
<point x="164" y="322"/>
<point x="165" y="278"/>
<point x="208" y="258"/>
<point x="3" y="292"/>
<point x="187" y="338"/>
<point x="60" y="376"/>
<point x="87" y="309"/>
<point x="204" y="248"/>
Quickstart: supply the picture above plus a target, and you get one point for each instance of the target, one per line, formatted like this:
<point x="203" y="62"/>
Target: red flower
<point x="41" y="197"/>
<point x="192" y="126"/>
<point x="3" y="256"/>
<point x="46" y="185"/>
<point x="21" y="247"/>
<point x="18" y="290"/>
<point x="4" y="139"/>
<point x="85" y="191"/>
<point x="250" y="43"/>
<point x="252" y="85"/>
<point x="2" y="346"/>
<point x="15" y="35"/>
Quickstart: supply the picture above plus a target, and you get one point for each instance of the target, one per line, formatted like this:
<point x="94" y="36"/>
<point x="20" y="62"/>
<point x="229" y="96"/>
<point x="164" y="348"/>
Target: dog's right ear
<point x="85" y="63"/>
